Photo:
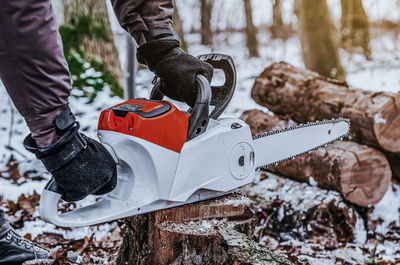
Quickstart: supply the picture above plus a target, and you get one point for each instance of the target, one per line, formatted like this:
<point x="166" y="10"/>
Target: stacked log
<point x="360" y="173"/>
<point x="303" y="96"/>
<point x="216" y="231"/>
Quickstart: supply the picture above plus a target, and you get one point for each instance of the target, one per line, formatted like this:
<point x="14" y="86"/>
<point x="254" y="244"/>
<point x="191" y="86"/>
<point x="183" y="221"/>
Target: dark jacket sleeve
<point x="139" y="16"/>
<point x="32" y="65"/>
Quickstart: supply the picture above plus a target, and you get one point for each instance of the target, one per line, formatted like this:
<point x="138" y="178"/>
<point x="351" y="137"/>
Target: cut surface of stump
<point x="361" y="174"/>
<point x="305" y="96"/>
<point x="216" y="231"/>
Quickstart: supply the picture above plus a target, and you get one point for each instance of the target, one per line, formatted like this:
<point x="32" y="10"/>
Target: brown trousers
<point x="32" y="64"/>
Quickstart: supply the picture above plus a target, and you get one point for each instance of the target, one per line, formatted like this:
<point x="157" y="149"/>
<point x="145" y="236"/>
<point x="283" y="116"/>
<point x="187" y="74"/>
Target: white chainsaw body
<point x="167" y="157"/>
<point x="151" y="177"/>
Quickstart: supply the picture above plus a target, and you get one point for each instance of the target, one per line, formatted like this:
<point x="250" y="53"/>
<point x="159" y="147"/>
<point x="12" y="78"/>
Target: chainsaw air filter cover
<point x="156" y="121"/>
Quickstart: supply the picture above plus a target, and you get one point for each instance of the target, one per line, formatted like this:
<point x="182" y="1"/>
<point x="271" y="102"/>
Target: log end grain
<point x="387" y="125"/>
<point x="365" y="176"/>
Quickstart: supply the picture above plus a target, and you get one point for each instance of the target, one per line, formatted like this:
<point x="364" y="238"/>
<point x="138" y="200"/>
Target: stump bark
<point x="305" y="96"/>
<point x="360" y="173"/>
<point x="216" y="231"/>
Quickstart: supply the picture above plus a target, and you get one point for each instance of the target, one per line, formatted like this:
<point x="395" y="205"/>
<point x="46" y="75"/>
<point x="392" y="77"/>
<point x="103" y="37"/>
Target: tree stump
<point x="360" y="173"/>
<point x="216" y="231"/>
<point x="305" y="96"/>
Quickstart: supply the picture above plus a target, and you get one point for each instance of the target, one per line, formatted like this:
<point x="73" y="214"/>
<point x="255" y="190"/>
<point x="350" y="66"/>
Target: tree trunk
<point x="179" y="28"/>
<point x="277" y="22"/>
<point x="211" y="232"/>
<point x="251" y="31"/>
<point x="206" y="32"/>
<point x="92" y="16"/>
<point x="355" y="27"/>
<point x="360" y="173"/>
<point x="318" y="37"/>
<point x="306" y="96"/>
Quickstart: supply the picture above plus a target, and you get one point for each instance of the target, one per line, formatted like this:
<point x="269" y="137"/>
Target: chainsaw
<point x="167" y="157"/>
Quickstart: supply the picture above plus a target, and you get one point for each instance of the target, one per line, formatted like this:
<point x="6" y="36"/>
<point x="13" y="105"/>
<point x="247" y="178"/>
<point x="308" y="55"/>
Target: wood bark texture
<point x="360" y="173"/>
<point x="305" y="96"/>
<point x="97" y="48"/>
<point x="319" y="38"/>
<point x="251" y="31"/>
<point x="355" y="27"/>
<point x="206" y="32"/>
<point x="216" y="231"/>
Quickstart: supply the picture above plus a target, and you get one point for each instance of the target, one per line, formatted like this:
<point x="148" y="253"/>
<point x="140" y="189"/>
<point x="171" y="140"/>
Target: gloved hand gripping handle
<point x="219" y="96"/>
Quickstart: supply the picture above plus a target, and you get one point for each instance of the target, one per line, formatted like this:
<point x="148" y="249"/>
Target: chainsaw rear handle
<point x="49" y="201"/>
<point x="199" y="117"/>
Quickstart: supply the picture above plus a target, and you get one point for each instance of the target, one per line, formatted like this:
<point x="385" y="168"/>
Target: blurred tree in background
<point x="277" y="21"/>
<point x="206" y="31"/>
<point x="319" y="38"/>
<point x="251" y="31"/>
<point x="355" y="27"/>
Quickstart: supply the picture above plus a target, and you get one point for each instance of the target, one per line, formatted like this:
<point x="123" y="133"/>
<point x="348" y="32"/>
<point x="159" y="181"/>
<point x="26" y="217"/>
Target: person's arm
<point x="32" y="65"/>
<point x="138" y="17"/>
<point x="36" y="76"/>
<point x="150" y="23"/>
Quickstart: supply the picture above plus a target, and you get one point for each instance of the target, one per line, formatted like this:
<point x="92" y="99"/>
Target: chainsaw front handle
<point x="221" y="95"/>
<point x="199" y="114"/>
<point x="199" y="118"/>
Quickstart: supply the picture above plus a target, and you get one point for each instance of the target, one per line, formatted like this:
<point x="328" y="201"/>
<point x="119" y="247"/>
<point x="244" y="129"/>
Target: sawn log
<point x="305" y="96"/>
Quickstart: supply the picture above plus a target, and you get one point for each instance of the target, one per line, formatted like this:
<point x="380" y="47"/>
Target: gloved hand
<point x="80" y="165"/>
<point x="176" y="69"/>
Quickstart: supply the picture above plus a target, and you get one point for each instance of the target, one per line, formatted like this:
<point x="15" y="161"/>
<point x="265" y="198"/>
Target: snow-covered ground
<point x="379" y="74"/>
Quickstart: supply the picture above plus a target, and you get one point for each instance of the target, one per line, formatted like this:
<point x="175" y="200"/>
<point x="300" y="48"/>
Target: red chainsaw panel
<point x="159" y="122"/>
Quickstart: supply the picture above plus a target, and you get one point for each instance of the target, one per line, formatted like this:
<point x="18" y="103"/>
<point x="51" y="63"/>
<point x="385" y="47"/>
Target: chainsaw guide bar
<point x="297" y="127"/>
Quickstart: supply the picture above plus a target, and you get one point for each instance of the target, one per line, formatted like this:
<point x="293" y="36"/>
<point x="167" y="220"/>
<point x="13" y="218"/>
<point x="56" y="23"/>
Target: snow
<point x="387" y="209"/>
<point x="242" y="200"/>
<point x="378" y="119"/>
<point x="301" y="195"/>
<point x="200" y="227"/>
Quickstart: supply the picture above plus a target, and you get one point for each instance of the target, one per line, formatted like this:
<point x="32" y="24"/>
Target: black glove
<point x="80" y="165"/>
<point x="177" y="70"/>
